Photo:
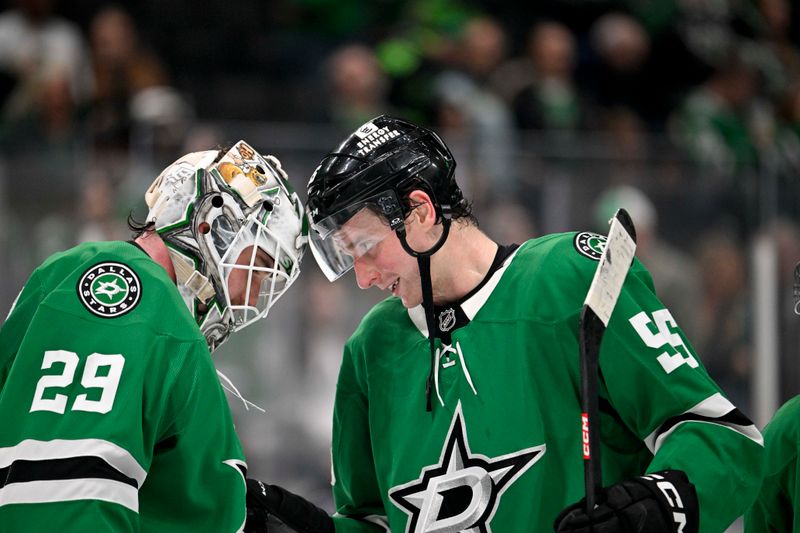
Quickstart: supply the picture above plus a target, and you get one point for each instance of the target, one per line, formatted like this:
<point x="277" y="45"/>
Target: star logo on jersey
<point x="462" y="492"/>
<point x="109" y="289"/>
<point x="590" y="244"/>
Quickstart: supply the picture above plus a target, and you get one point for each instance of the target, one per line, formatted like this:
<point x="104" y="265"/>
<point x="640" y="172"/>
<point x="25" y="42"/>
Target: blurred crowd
<point x="714" y="81"/>
<point x="686" y="112"/>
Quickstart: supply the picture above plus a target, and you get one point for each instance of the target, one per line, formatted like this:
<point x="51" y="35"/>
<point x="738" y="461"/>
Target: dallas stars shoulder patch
<point x="463" y="491"/>
<point x="109" y="289"/>
<point x="590" y="244"/>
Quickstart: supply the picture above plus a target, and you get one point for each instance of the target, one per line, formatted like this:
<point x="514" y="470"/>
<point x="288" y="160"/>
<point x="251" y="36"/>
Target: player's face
<point x="237" y="280"/>
<point x="382" y="262"/>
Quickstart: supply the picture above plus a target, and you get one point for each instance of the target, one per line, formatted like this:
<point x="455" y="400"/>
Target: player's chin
<point x="410" y="301"/>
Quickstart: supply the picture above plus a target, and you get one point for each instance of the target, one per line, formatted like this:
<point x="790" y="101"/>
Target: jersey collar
<point x="458" y="314"/>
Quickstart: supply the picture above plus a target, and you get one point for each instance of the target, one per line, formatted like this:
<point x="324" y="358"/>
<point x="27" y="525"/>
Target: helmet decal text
<point x="374" y="139"/>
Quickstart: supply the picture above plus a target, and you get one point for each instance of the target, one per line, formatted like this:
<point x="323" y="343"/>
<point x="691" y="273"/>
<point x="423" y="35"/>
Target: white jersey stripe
<point x="378" y="520"/>
<point x="37" y="450"/>
<point x="71" y="490"/>
<point x="715" y="406"/>
<point x="476" y="301"/>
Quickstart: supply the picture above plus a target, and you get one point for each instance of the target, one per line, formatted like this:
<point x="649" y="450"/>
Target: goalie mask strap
<point x="187" y="275"/>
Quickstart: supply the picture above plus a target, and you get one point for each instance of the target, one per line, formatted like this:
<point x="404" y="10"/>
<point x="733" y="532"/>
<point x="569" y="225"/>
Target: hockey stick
<point x="597" y="308"/>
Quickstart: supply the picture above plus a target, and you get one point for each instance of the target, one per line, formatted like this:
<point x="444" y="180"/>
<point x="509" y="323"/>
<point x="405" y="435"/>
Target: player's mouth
<point x="393" y="286"/>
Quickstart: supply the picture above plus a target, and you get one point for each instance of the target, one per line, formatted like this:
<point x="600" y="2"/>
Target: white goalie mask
<point x="236" y="232"/>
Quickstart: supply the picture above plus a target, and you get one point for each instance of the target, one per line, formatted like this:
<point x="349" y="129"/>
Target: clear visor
<point x="339" y="240"/>
<point x="256" y="270"/>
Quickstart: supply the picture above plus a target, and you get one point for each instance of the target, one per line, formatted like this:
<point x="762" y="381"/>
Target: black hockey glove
<point x="662" y="502"/>
<point x="271" y="508"/>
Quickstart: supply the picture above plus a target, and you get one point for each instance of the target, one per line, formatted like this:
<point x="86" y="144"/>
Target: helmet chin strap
<point x="424" y="263"/>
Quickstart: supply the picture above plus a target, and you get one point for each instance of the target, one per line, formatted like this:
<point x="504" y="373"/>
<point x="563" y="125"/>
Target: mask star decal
<point x="463" y="491"/>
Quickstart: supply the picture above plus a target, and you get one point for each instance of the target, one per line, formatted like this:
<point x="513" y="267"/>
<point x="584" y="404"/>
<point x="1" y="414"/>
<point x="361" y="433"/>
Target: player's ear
<point x="423" y="213"/>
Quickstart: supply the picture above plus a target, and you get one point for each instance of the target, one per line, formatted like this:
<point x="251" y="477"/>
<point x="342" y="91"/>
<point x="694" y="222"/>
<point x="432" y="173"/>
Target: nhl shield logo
<point x="109" y="289"/>
<point x="447" y="319"/>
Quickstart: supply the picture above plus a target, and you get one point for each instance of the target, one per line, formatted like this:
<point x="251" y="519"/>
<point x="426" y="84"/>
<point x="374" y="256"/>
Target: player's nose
<point x="366" y="275"/>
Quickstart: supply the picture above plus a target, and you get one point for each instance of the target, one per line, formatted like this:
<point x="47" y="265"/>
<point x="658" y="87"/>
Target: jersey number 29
<point x="91" y="378"/>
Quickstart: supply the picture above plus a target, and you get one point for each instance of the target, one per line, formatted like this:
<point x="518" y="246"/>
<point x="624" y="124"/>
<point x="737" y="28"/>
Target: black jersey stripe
<point x="715" y="410"/>
<point x="731" y="418"/>
<point x="83" y="467"/>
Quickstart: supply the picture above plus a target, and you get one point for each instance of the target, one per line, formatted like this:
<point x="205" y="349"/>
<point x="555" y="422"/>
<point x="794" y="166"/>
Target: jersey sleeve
<point x="359" y="507"/>
<point x="778" y="499"/>
<point x="196" y="452"/>
<point x="656" y="383"/>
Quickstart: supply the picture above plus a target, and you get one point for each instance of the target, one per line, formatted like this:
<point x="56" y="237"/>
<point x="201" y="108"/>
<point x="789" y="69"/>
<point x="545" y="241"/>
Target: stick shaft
<point x="598" y="307"/>
<point x="591" y="335"/>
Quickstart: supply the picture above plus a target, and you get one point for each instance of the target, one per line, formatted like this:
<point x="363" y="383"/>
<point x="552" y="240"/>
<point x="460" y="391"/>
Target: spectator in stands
<point x="132" y="87"/>
<point x="780" y="58"/>
<point x="39" y="51"/>
<point x="358" y="86"/>
<point x="467" y="104"/>
<point x="552" y="99"/>
<point x="786" y="146"/>
<point x="619" y="73"/>
<point x="45" y="77"/>
<point x="716" y="121"/>
<point x="709" y="30"/>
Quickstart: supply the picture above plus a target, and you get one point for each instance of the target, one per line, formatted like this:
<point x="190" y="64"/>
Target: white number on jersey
<point x="664" y="336"/>
<point x="91" y="379"/>
<point x="59" y="402"/>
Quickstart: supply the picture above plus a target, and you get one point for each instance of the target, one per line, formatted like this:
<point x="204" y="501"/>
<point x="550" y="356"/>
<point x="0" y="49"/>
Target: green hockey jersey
<point x="501" y="450"/>
<point x="777" y="508"/>
<point x="113" y="417"/>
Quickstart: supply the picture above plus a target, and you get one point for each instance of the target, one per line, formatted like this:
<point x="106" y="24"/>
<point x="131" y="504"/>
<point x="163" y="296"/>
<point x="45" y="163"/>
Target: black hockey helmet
<point x="376" y="167"/>
<point x="374" y="170"/>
